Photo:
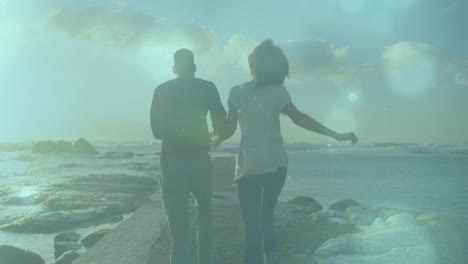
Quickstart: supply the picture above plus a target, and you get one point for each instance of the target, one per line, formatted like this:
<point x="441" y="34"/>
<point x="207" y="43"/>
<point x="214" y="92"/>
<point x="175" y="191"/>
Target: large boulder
<point x="14" y="255"/>
<point x="307" y="202"/>
<point x="118" y="155"/>
<point x="341" y="206"/>
<point x="405" y="220"/>
<point x="67" y="257"/>
<point x="93" y="237"/>
<point x="52" y="222"/>
<point x="66" y="241"/>
<point x="67" y="237"/>
<point x="361" y="215"/>
<point x="82" y="146"/>
<point x="61" y="247"/>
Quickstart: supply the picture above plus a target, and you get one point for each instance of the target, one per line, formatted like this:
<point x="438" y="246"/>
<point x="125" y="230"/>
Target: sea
<point x="422" y="177"/>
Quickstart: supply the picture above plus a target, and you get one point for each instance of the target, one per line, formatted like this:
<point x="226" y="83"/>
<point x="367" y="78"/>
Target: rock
<point x="14" y="255"/>
<point x="63" y="201"/>
<point x="361" y="215"/>
<point x="336" y="220"/>
<point x="219" y="196"/>
<point x="64" y="246"/>
<point x="430" y="218"/>
<point x="341" y="206"/>
<point x="67" y="257"/>
<point x="388" y="243"/>
<point x="82" y="146"/>
<point x="319" y="216"/>
<point x="8" y="219"/>
<point x="93" y="237"/>
<point x="118" y="155"/>
<point x="385" y="213"/>
<point x="68" y="165"/>
<point x="329" y="216"/>
<point x="4" y="191"/>
<point x="52" y="222"/>
<point x="28" y="200"/>
<point x="308" y="202"/>
<point x="402" y="220"/>
<point x="117" y="218"/>
<point x="67" y="237"/>
<point x="65" y="242"/>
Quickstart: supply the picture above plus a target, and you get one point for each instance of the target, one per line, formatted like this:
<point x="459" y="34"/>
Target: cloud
<point x="237" y="50"/>
<point x="124" y="28"/>
<point x="457" y="71"/>
<point x="3" y="4"/>
<point x="320" y="59"/>
<point x="401" y="51"/>
<point x="314" y="56"/>
<point x="410" y="68"/>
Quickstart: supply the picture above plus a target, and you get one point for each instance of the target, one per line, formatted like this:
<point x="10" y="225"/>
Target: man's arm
<point x="303" y="120"/>
<point x="231" y="123"/>
<point x="217" y="111"/>
<point x="155" y="116"/>
<point x="229" y="129"/>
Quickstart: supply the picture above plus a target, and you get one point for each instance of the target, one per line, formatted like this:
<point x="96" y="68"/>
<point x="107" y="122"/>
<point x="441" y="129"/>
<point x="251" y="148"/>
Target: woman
<point x="262" y="160"/>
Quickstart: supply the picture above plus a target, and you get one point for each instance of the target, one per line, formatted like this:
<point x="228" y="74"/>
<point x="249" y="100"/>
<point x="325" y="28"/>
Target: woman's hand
<point x="348" y="136"/>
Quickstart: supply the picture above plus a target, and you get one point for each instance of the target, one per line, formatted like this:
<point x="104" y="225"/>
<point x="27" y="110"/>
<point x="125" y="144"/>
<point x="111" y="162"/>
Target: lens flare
<point x="352" y="97"/>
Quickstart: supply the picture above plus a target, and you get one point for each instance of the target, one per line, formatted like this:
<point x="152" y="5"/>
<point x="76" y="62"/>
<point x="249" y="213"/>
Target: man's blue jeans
<point x="181" y="176"/>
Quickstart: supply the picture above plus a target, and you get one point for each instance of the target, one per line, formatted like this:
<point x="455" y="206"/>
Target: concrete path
<point x="131" y="241"/>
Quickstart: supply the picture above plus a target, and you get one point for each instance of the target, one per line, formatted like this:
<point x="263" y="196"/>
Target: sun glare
<point x="27" y="191"/>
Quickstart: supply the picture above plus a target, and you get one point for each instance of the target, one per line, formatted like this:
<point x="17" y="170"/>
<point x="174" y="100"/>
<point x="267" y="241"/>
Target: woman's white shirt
<point x="262" y="149"/>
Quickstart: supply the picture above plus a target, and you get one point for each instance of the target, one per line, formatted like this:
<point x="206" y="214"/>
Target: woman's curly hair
<point x="268" y="64"/>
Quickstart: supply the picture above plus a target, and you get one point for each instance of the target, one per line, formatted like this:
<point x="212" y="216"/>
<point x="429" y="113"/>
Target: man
<point x="178" y="118"/>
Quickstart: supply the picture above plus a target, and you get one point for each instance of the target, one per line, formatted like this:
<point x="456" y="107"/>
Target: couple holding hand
<point x="178" y="118"/>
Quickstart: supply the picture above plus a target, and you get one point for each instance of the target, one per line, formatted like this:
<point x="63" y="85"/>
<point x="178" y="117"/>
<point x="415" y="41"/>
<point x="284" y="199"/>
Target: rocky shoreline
<point x="346" y="232"/>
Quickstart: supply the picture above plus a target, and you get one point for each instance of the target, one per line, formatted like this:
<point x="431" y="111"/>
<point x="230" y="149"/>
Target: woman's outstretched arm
<point x="303" y="120"/>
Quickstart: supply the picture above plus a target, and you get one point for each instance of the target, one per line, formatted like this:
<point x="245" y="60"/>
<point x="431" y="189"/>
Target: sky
<point x="389" y="70"/>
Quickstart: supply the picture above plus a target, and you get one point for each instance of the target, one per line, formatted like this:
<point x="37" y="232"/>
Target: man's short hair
<point x="183" y="58"/>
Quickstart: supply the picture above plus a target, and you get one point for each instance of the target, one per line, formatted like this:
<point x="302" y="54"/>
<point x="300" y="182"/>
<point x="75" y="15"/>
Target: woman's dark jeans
<point x="258" y="195"/>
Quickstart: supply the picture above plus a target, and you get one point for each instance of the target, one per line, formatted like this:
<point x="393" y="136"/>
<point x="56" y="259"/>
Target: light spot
<point x="352" y="97"/>
<point x="27" y="191"/>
